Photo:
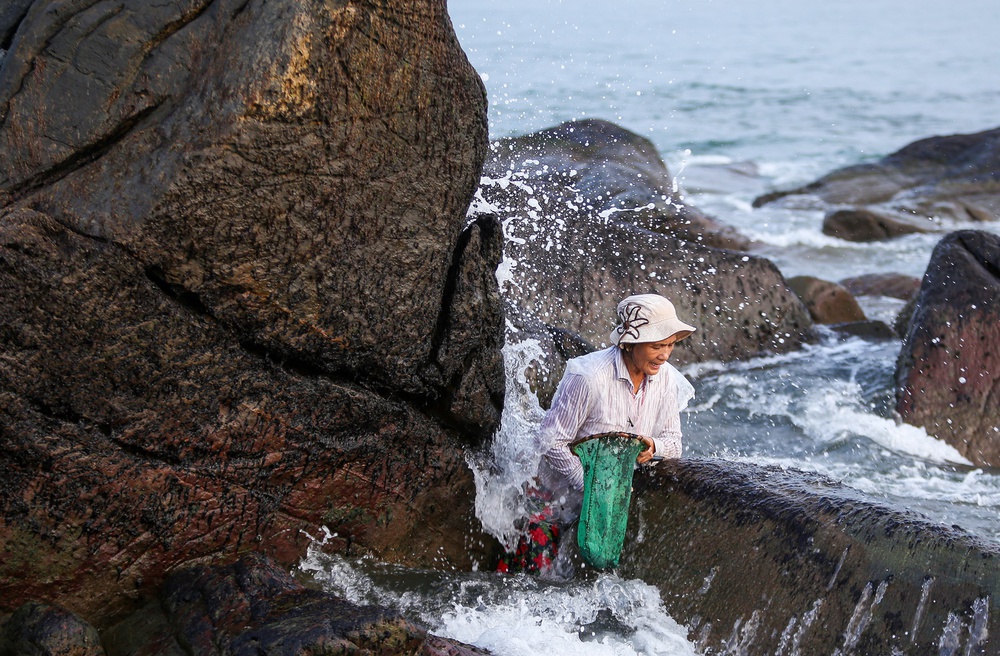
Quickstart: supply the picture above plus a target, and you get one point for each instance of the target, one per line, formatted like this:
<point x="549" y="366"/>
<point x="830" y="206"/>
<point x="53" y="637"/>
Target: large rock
<point x="948" y="372"/>
<point x="38" y="629"/>
<point x="240" y="295"/>
<point x="762" y="561"/>
<point x="585" y="228"/>
<point x="594" y="167"/>
<point x="954" y="177"/>
<point x="254" y="607"/>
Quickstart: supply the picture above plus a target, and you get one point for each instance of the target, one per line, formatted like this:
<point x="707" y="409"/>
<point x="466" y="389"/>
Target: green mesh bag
<point x="608" y="464"/>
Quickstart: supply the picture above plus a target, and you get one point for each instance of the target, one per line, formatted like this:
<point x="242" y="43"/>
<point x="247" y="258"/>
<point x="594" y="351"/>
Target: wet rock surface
<point x="955" y="177"/>
<point x="762" y="561"/>
<point x="38" y="629"/>
<point x="577" y="244"/>
<point x="826" y="301"/>
<point x="594" y="167"/>
<point x="948" y="372"/>
<point x="894" y="285"/>
<point x="253" y="607"/>
<point x="240" y="295"/>
<point x="864" y="225"/>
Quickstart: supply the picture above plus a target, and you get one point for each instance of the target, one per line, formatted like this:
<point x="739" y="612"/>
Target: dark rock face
<point x="37" y="629"/>
<point x="586" y="226"/>
<point x="254" y="607"/>
<point x="948" y="372"/>
<point x="893" y="285"/>
<point x="864" y="225"/>
<point x="955" y="177"/>
<point x="827" y="301"/>
<point x="761" y="561"/>
<point x="594" y="167"/>
<point x="240" y="295"/>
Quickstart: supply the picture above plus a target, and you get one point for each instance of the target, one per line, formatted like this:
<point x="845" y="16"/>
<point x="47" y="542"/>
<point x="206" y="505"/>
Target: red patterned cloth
<point x="536" y="550"/>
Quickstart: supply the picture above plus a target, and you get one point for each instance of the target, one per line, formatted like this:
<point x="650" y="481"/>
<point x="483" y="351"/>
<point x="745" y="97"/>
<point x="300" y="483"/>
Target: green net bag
<point x="608" y="464"/>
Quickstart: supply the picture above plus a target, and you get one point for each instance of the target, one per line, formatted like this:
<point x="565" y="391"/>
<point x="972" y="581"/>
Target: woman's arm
<point x="668" y="441"/>
<point x="561" y="425"/>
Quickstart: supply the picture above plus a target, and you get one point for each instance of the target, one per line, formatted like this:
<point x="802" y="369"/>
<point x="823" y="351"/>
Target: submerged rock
<point x="253" y="606"/>
<point x="762" y="561"/>
<point x="955" y="177"/>
<point x="590" y="218"/>
<point x="948" y="372"/>
<point x="241" y="298"/>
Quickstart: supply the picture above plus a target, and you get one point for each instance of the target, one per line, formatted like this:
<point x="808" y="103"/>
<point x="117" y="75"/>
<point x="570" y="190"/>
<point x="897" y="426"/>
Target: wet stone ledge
<point x="765" y="561"/>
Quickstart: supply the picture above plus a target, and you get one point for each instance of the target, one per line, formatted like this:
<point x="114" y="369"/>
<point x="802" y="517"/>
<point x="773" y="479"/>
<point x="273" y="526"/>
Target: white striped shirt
<point x="595" y="396"/>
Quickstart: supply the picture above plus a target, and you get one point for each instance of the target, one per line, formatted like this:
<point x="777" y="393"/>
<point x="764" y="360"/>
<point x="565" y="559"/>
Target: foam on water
<point x="512" y="615"/>
<point x="829" y="408"/>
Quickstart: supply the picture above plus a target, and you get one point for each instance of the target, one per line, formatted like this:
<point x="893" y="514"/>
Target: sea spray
<point x="514" y="453"/>
<point x="511" y="615"/>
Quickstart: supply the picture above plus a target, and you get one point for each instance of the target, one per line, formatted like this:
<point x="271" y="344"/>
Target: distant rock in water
<point x="590" y="218"/>
<point x="894" y="285"/>
<point x="241" y="297"/>
<point x="827" y="301"/>
<point x="762" y="561"/>
<point x="953" y="177"/>
<point x="864" y="225"/>
<point x="948" y="372"/>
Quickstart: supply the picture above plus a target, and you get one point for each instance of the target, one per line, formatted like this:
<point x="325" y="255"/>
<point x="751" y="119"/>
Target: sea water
<point x="740" y="97"/>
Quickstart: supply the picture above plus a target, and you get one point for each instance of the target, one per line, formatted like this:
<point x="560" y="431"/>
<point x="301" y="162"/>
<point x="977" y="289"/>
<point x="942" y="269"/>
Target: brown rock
<point x="864" y="225"/>
<point x="827" y="301"/>
<point x="240" y="296"/>
<point x="893" y="285"/>
<point x="948" y="372"/>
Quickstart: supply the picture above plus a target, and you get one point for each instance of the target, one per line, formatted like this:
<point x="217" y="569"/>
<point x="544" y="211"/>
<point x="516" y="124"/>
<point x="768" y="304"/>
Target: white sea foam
<point x="512" y="615"/>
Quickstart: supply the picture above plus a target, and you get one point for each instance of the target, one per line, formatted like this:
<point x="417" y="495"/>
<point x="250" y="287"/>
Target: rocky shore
<point x="244" y="297"/>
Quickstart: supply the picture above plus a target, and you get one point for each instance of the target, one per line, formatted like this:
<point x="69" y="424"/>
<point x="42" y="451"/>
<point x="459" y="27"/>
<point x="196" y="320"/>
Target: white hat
<point x="647" y="318"/>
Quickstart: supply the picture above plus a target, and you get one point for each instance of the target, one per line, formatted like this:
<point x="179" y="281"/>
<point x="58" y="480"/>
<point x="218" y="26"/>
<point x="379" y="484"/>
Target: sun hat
<point x="647" y="318"/>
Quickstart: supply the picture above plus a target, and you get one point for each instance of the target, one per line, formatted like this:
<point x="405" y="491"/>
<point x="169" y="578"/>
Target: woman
<point x="627" y="387"/>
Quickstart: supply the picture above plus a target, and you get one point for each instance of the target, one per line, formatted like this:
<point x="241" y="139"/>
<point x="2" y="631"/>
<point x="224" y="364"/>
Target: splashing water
<point x="512" y="615"/>
<point x="514" y="456"/>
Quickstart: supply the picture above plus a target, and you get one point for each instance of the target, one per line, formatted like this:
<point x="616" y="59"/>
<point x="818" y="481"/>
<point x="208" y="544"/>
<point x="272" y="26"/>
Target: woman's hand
<point x="647" y="454"/>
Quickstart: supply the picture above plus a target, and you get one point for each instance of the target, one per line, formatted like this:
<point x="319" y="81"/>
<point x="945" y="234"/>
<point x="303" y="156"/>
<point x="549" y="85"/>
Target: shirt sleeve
<point x="668" y="442"/>
<point x="569" y="410"/>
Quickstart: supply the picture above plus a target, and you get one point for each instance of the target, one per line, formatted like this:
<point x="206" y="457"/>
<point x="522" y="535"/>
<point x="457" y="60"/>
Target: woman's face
<point x="647" y="357"/>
